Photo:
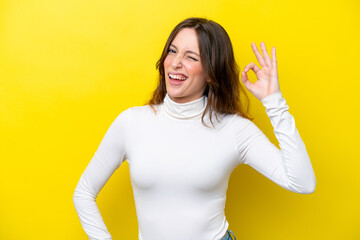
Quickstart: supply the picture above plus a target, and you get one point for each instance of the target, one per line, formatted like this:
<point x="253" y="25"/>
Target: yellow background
<point x="68" y="68"/>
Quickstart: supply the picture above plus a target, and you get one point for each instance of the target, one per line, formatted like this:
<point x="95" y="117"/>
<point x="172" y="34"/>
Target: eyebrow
<point x="172" y="45"/>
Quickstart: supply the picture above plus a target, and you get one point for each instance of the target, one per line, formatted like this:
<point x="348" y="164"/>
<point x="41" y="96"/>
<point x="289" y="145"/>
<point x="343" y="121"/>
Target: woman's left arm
<point x="289" y="167"/>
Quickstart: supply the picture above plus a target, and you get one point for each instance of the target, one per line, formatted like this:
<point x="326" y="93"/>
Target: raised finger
<point x="258" y="55"/>
<point x="252" y="66"/>
<point x="273" y="57"/>
<point x="265" y="53"/>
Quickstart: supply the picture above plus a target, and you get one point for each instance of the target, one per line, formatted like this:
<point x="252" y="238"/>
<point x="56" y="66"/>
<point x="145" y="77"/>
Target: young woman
<point x="184" y="144"/>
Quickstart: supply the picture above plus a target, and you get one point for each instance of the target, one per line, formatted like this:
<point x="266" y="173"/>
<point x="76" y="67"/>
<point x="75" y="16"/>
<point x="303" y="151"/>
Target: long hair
<point x="224" y="91"/>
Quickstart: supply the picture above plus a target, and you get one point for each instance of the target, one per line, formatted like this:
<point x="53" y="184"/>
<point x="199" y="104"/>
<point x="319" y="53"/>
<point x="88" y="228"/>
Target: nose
<point x="177" y="62"/>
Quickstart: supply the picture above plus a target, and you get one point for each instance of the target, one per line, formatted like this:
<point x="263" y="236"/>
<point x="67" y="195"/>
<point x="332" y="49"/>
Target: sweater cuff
<point x="271" y="97"/>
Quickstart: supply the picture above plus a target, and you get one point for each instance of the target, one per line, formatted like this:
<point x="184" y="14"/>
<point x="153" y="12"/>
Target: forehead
<point x="186" y="39"/>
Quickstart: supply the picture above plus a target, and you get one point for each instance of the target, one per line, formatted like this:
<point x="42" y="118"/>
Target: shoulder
<point x="146" y="109"/>
<point x="243" y="126"/>
<point x="227" y="121"/>
<point x="137" y="112"/>
<point x="238" y="121"/>
<point x="143" y="111"/>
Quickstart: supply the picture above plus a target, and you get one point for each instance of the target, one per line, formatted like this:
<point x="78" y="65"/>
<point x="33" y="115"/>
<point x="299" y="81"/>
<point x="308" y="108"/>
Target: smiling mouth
<point x="177" y="77"/>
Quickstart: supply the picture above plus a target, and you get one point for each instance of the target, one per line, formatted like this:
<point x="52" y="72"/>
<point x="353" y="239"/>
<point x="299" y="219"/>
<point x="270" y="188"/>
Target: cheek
<point x="167" y="62"/>
<point x="196" y="70"/>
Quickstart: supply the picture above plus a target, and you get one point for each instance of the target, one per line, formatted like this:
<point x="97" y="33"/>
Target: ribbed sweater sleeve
<point x="290" y="166"/>
<point x="108" y="157"/>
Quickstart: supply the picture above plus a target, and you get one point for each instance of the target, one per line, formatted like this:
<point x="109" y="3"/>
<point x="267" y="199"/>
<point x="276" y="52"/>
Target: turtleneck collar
<point x="185" y="111"/>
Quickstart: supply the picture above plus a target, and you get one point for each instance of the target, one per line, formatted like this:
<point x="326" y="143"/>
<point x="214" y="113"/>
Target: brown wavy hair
<point x="216" y="52"/>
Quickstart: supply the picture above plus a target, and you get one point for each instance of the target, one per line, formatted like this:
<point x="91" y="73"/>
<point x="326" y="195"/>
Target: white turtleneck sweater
<point x="179" y="168"/>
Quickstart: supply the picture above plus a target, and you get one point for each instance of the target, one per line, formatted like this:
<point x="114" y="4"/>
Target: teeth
<point x="176" y="77"/>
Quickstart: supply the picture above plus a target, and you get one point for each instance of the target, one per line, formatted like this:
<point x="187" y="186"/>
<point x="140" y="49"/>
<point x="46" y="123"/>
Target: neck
<point x="183" y="99"/>
<point x="188" y="110"/>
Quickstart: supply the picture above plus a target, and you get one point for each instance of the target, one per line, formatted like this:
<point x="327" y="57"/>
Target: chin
<point x="174" y="94"/>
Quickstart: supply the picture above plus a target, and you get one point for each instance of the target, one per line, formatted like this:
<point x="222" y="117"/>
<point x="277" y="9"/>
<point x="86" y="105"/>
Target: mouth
<point x="176" y="79"/>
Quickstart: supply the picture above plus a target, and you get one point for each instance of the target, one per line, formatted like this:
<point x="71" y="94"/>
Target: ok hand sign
<point x="268" y="81"/>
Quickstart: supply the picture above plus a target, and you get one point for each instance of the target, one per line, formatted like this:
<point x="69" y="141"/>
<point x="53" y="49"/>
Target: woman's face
<point x="184" y="75"/>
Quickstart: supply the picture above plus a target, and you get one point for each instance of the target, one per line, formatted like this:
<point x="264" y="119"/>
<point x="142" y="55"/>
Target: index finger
<point x="258" y="55"/>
